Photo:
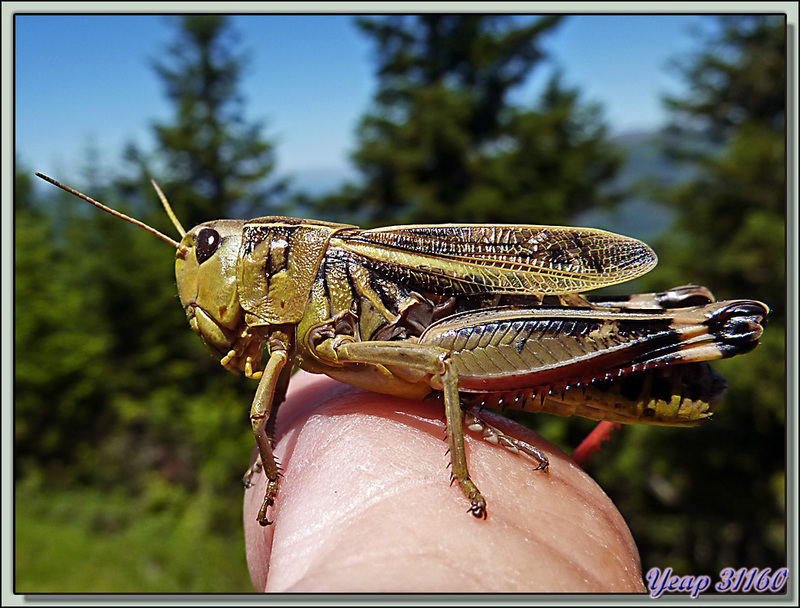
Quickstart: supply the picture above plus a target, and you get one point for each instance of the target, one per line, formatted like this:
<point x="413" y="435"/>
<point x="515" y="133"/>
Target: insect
<point x="481" y="315"/>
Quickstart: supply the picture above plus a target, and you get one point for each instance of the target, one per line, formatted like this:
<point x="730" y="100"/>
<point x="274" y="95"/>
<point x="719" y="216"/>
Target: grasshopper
<point x="480" y="315"/>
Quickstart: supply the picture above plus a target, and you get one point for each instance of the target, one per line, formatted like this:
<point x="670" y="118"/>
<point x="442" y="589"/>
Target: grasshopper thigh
<point x="426" y="364"/>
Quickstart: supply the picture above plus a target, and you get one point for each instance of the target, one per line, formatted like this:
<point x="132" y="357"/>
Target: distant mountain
<point x="639" y="216"/>
<point x="320" y="181"/>
<point x="645" y="159"/>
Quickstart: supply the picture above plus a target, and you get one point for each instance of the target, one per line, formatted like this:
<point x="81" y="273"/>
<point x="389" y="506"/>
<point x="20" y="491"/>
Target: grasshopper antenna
<point x="168" y="209"/>
<point x="127" y="218"/>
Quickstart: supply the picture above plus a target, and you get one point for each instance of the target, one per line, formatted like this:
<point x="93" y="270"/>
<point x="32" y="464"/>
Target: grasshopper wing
<point x="465" y="258"/>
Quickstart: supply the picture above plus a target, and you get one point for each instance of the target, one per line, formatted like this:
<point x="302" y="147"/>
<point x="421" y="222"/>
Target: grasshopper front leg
<point x="259" y="417"/>
<point x="416" y="362"/>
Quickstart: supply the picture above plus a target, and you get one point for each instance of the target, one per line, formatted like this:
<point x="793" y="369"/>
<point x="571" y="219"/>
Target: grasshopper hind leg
<point x="497" y="437"/>
<point x="254" y="469"/>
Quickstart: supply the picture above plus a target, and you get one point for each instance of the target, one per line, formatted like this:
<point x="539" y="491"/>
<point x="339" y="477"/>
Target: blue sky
<point x="84" y="81"/>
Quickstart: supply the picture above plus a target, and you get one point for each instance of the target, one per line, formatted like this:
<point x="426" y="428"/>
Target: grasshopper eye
<point x="207" y="242"/>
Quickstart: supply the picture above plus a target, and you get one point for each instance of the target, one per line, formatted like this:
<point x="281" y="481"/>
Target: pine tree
<point x="734" y="212"/>
<point x="444" y="141"/>
<point x="217" y="160"/>
<point x="215" y="165"/>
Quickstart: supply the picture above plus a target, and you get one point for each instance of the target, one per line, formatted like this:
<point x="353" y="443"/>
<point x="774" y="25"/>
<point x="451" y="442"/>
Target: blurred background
<point x="130" y="440"/>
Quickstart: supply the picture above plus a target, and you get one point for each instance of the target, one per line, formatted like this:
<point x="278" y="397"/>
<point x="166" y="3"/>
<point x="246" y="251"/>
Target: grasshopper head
<point x="205" y="269"/>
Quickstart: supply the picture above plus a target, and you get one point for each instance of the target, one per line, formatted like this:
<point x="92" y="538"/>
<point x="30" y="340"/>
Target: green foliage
<point x="101" y="540"/>
<point x="444" y="142"/>
<point x="732" y="217"/>
<point x="734" y="79"/>
<point x="96" y="313"/>
<point x="57" y="339"/>
<point x="115" y="397"/>
<point x="682" y="490"/>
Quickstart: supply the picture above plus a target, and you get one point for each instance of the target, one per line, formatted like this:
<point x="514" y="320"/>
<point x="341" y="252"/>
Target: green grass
<point x="88" y="541"/>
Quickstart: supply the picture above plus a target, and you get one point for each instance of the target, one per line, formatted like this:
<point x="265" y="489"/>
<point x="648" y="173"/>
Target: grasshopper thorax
<point x="238" y="279"/>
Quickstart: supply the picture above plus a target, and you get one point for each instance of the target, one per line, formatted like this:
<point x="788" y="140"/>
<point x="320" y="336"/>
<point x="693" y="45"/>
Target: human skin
<point x="365" y="506"/>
